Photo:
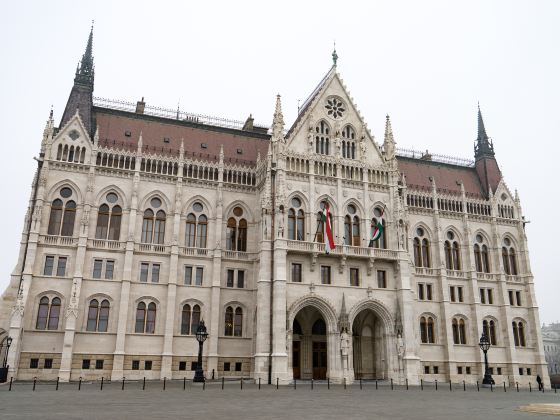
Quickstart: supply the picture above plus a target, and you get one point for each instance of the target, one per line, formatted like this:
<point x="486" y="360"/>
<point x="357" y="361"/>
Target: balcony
<point x="152" y="248"/>
<point x="192" y="252"/>
<point x="487" y="276"/>
<point x="426" y="271"/>
<point x="58" y="240"/>
<point x="106" y="244"/>
<point x="304" y="247"/>
<point x="238" y="255"/>
<point x="456" y="274"/>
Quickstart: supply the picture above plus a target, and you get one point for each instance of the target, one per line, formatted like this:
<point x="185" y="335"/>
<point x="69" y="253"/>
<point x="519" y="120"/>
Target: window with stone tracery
<point x="377" y="216"/>
<point x="98" y="315"/>
<point x="489" y="328"/>
<point x="509" y="258"/>
<point x="421" y="246"/>
<point x="63" y="214"/>
<point x="296" y="221"/>
<point x="236" y="231"/>
<point x="322" y="138"/>
<point x="190" y="318"/>
<point x="348" y="143"/>
<point x="153" y="223"/>
<point x="459" y="331"/>
<point x="145" y="318"/>
<point x="452" y="252"/>
<point x="481" y="256"/>
<point x="233" y="326"/>
<point x="351" y="227"/>
<point x="109" y="218"/>
<point x="427" y="334"/>
<point x="196" y="227"/>
<point x="48" y="314"/>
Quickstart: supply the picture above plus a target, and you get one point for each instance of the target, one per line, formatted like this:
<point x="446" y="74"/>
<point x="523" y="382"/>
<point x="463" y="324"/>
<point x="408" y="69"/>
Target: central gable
<point x="329" y="125"/>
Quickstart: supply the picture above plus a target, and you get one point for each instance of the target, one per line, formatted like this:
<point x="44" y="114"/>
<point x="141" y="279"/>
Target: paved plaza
<point x="90" y="402"/>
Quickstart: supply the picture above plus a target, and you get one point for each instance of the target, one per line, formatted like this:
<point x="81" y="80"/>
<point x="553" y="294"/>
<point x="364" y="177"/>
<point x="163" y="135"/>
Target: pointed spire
<point x="343" y="322"/>
<point x="85" y="72"/>
<point x="483" y="146"/>
<point x="334" y="55"/>
<point x="389" y="141"/>
<point x="278" y="120"/>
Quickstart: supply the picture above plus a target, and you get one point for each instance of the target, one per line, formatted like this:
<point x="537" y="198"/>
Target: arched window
<point x="489" y="328"/>
<point x="109" y="219"/>
<point x="352" y="227"/>
<point x="421" y="245"/>
<point x="319" y="327"/>
<point x="485" y="259"/>
<point x="196" y="232"/>
<point x="238" y="322"/>
<point x="518" y="333"/>
<point x="319" y="237"/>
<point x="42" y="314"/>
<point x="348" y="143"/>
<point x="98" y="316"/>
<point x="322" y="139"/>
<point x="477" y="258"/>
<point x="459" y="331"/>
<point x="426" y="260"/>
<point x="228" y="330"/>
<point x="63" y="214"/>
<point x="145" y="319"/>
<point x="509" y="259"/>
<point x="236" y="231"/>
<point x="427" y="330"/>
<point x="481" y="257"/>
<point x="190" y="319"/>
<point x="54" y="314"/>
<point x="153" y="223"/>
<point x="417" y="253"/>
<point x="378" y="219"/>
<point x="452" y="253"/>
<point x="296" y="221"/>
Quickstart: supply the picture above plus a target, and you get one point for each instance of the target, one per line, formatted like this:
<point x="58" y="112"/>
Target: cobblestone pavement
<point x="267" y="403"/>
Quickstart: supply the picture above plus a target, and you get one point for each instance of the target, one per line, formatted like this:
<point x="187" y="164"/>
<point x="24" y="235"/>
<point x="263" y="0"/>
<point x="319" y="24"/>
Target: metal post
<point x="328" y="383"/>
<point x="421" y="385"/>
<point x="143" y="384"/>
<point x="491" y="387"/>
<point x="555" y="388"/>
<point x="184" y="383"/>
<point x="80" y="384"/>
<point x="361" y="383"/>
<point x="11" y="380"/>
<point x="450" y="389"/>
<point x="164" y="379"/>
<point x="505" y="386"/>
<point x="34" y="382"/>
<point x="277" y="380"/>
<point x="122" y="387"/>
<point x="311" y="383"/>
<point x="344" y="383"/>
<point x="391" y="384"/>
<point x="530" y="390"/>
<point x="464" y="386"/>
<point x="241" y="382"/>
<point x="517" y="385"/>
<point x="259" y="383"/>
<point x="101" y="383"/>
<point x="57" y="380"/>
<point x="477" y="386"/>
<point x="295" y="383"/>
<point x="223" y="380"/>
<point x="204" y="385"/>
<point x="436" y="384"/>
<point x="376" y="384"/>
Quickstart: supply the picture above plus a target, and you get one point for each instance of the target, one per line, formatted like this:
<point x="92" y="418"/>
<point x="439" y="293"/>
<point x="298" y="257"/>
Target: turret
<point x="389" y="141"/>
<point x="485" y="160"/>
<point x="81" y="95"/>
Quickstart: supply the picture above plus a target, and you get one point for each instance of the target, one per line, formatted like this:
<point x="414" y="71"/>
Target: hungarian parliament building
<point x="143" y="221"/>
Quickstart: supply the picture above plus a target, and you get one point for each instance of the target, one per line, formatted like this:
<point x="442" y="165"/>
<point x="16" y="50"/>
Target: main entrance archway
<point x="309" y="345"/>
<point x="369" y="346"/>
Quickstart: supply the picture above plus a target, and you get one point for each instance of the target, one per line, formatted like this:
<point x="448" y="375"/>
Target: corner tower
<point x="81" y="95"/>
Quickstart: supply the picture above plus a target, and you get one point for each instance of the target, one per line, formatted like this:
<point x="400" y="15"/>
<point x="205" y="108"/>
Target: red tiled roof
<point x="114" y="124"/>
<point x="418" y="173"/>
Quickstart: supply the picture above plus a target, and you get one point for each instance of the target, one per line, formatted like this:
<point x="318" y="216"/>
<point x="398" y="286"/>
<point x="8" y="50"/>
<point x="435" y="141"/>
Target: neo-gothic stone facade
<point x="551" y="342"/>
<point x="142" y="222"/>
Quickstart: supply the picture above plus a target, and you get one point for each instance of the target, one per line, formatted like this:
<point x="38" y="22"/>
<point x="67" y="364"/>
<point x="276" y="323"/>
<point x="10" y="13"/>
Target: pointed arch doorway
<point x="369" y="346"/>
<point x="309" y="345"/>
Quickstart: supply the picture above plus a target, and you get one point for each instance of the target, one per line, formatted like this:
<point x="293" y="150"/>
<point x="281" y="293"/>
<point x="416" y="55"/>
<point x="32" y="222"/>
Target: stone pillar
<point x="279" y="355"/>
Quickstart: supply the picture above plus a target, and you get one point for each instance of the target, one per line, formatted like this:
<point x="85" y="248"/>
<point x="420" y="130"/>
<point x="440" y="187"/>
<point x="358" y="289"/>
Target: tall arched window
<point x="352" y="227"/>
<point x="109" y="219"/>
<point x="348" y="142"/>
<point x="236" y="231"/>
<point x="228" y="329"/>
<point x="322" y="139"/>
<point x="459" y="331"/>
<point x="509" y="259"/>
<point x="42" y="314"/>
<point x="54" y="314"/>
<point x="196" y="232"/>
<point x="238" y="322"/>
<point x="427" y="329"/>
<point x="518" y="333"/>
<point x="489" y="328"/>
<point x="233" y="326"/>
<point x="63" y="214"/>
<point x="296" y="221"/>
<point x="98" y="316"/>
<point x="190" y="319"/>
<point x="421" y="249"/>
<point x="153" y="223"/>
<point x="452" y="253"/>
<point x="319" y="236"/>
<point x="145" y="318"/>
<point x="375" y="221"/>
<point x="481" y="258"/>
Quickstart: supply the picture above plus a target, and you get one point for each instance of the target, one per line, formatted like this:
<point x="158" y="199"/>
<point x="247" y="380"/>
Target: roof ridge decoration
<point x="433" y="157"/>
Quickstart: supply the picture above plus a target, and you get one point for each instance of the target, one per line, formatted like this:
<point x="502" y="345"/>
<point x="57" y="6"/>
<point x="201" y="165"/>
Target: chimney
<point x="248" y="126"/>
<point x="140" y="106"/>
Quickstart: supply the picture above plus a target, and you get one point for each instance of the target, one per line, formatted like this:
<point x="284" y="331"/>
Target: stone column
<point x="279" y="355"/>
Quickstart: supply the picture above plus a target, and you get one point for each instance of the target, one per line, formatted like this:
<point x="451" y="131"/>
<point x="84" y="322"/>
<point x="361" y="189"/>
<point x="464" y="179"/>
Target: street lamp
<point x="484" y="345"/>
<point x="3" y="365"/>
<point x="201" y="336"/>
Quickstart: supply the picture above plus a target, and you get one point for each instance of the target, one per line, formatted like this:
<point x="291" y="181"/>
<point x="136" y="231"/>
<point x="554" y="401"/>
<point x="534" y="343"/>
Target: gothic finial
<point x="85" y="71"/>
<point x="483" y="146"/>
<point x="278" y="120"/>
<point x="334" y="55"/>
<point x="389" y="141"/>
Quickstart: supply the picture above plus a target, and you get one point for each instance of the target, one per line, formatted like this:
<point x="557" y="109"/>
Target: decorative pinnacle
<point x="278" y="119"/>
<point x="85" y="70"/>
<point x="483" y="146"/>
<point x="334" y="55"/>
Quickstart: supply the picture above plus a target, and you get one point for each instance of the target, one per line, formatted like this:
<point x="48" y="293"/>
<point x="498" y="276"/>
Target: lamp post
<point x="201" y="336"/>
<point x="484" y="345"/>
<point x="4" y="362"/>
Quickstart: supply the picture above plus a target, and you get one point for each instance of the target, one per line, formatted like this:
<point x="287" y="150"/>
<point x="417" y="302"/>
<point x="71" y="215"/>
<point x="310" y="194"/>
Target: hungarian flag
<point x="377" y="231"/>
<point x="327" y="229"/>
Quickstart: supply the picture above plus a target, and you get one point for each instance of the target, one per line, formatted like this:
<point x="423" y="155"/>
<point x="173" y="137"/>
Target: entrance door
<point x="296" y="359"/>
<point x="319" y="360"/>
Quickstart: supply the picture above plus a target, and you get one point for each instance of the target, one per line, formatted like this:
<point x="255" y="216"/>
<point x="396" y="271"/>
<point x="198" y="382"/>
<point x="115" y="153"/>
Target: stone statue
<point x="400" y="345"/>
<point x="344" y="346"/>
<point x="363" y="148"/>
<point x="310" y="138"/>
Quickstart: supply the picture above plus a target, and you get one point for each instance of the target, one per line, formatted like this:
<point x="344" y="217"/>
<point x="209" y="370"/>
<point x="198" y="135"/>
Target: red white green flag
<point x="377" y="231"/>
<point x="327" y="229"/>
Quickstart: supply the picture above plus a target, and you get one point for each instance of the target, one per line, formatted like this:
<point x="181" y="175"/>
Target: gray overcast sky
<point x="426" y="63"/>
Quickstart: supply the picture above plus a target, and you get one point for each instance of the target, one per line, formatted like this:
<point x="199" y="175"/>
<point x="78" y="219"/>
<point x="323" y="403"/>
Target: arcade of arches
<point x="317" y="354"/>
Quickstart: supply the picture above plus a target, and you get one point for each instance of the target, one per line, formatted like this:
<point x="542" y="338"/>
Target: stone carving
<point x="344" y="346"/>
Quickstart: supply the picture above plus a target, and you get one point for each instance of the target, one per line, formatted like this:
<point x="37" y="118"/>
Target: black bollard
<point x="530" y="390"/>
<point x="391" y="384"/>
<point x="311" y="383"/>
<point x="212" y="374"/>
<point x="517" y="386"/>
<point x="57" y="380"/>
<point x="164" y="379"/>
<point x="143" y="384"/>
<point x="477" y="386"/>
<point x="554" y="387"/>
<point x="505" y="386"/>
<point x="344" y="383"/>
<point x="436" y="384"/>
<point x="184" y="383"/>
<point x="101" y="383"/>
<point x="122" y="387"/>
<point x="241" y="382"/>
<point x="450" y="389"/>
<point x="361" y="383"/>
<point x="204" y="385"/>
<point x="464" y="386"/>
<point x="223" y="380"/>
<point x="34" y="382"/>
<point x="407" y="384"/>
<point x="11" y="380"/>
<point x="491" y="387"/>
<point x="421" y="385"/>
<point x="277" y="380"/>
<point x="80" y="384"/>
<point x="295" y="383"/>
<point x="376" y="384"/>
<point x="259" y="383"/>
<point x="328" y="383"/>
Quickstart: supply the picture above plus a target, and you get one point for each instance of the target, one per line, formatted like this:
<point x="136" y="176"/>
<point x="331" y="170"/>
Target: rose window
<point x="335" y="107"/>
